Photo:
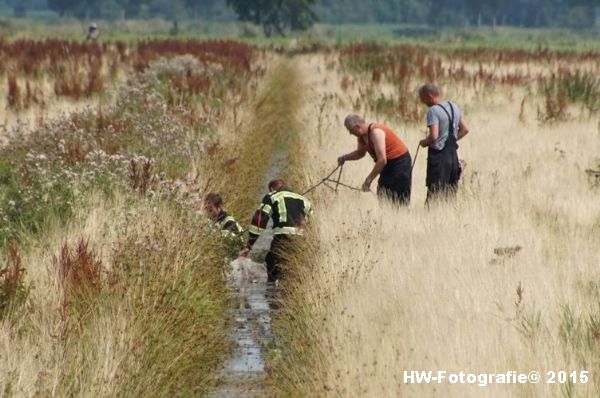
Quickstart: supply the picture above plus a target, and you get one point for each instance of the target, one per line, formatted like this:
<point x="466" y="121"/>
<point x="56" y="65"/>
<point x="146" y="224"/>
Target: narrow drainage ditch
<point x="244" y="373"/>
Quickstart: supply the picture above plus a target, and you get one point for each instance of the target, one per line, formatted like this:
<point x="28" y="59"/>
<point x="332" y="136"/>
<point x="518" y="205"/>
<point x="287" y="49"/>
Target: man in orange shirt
<point x="392" y="159"/>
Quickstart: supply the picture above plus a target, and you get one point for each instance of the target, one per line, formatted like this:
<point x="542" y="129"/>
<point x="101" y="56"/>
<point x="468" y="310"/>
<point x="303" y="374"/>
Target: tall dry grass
<point x="123" y="282"/>
<point x="504" y="277"/>
<point x="150" y="325"/>
<point x="256" y="148"/>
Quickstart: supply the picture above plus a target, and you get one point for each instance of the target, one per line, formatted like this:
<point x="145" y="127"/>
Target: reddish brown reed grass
<point x="74" y="152"/>
<point x="13" y="97"/>
<point x="345" y="83"/>
<point x="79" y="275"/>
<point x="399" y="64"/>
<point x="103" y="122"/>
<point x="77" y="67"/>
<point x="69" y="84"/>
<point x="229" y="54"/>
<point x="140" y="175"/>
<point x="556" y="102"/>
<point x="33" y="96"/>
<point x="522" y="118"/>
<point x="29" y="97"/>
<point x="13" y="289"/>
<point x="519" y="300"/>
<point x="94" y="84"/>
<point x="376" y="76"/>
<point x="79" y="269"/>
<point x="113" y="68"/>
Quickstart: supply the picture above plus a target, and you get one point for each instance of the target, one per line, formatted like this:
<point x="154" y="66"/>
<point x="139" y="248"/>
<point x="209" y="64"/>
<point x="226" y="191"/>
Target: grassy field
<point x="320" y="33"/>
<point x="504" y="278"/>
<point x="472" y="37"/>
<point x="111" y="280"/>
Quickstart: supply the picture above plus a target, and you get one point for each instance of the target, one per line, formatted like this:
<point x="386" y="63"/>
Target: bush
<point x="27" y="201"/>
<point x="565" y="88"/>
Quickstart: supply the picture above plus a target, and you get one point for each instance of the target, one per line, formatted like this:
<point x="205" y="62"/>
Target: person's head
<point x="213" y="204"/>
<point x="93" y="26"/>
<point x="356" y="125"/>
<point x="275" y="184"/>
<point x="430" y="94"/>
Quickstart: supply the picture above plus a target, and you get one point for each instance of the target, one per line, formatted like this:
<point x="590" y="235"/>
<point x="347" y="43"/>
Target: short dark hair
<point x="276" y="183"/>
<point x="429" y="89"/>
<point x="214" y="199"/>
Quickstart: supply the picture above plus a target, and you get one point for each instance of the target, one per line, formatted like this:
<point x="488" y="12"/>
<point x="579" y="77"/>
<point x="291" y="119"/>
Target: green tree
<point x="62" y="6"/>
<point x="20" y="7"/>
<point x="200" y="7"/>
<point x="582" y="13"/>
<point x="275" y="16"/>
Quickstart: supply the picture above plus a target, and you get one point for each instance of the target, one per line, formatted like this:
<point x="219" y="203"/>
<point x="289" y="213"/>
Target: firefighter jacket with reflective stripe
<point x="287" y="209"/>
<point x="227" y="223"/>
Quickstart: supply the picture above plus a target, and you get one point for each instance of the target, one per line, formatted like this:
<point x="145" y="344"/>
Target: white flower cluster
<point x="68" y="155"/>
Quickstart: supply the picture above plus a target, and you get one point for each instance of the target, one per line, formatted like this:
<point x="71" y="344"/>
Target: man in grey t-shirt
<point x="446" y="126"/>
<point x="439" y="115"/>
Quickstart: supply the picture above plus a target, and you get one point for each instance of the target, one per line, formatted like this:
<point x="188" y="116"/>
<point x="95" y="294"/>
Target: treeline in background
<point x="300" y="14"/>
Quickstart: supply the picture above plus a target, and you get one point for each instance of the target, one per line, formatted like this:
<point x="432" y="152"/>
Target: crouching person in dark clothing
<point x="288" y="211"/>
<point x="213" y="204"/>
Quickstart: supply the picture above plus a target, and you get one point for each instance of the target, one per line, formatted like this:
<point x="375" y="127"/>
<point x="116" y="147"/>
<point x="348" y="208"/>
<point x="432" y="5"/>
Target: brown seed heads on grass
<point x="79" y="275"/>
<point x="140" y="175"/>
<point x="13" y="290"/>
<point x="14" y="93"/>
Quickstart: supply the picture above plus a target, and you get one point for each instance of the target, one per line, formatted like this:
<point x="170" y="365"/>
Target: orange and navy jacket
<point x="287" y="209"/>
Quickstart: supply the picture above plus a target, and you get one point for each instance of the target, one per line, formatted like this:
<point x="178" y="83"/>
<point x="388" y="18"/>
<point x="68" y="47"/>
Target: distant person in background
<point x="93" y="32"/>
<point x="446" y="126"/>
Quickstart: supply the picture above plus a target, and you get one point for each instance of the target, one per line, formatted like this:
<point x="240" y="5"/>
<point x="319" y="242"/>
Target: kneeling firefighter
<point x="288" y="211"/>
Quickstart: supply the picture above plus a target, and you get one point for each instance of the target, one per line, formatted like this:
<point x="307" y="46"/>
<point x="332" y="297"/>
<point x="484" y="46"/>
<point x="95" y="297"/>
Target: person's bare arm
<point x="434" y="133"/>
<point x="462" y="129"/>
<point x="378" y="138"/>
<point x="359" y="153"/>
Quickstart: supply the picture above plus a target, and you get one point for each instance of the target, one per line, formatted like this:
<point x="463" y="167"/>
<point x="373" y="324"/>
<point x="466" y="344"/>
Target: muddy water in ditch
<point x="244" y="373"/>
